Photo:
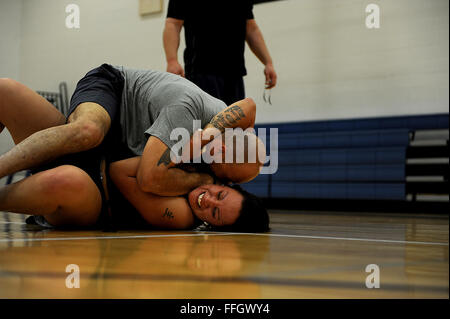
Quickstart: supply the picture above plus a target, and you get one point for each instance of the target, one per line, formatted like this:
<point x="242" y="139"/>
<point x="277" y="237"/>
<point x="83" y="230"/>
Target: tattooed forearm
<point x="219" y="122"/>
<point x="236" y="110"/>
<point x="230" y="119"/>
<point x="165" y="158"/>
<point x="168" y="214"/>
<point x="233" y="114"/>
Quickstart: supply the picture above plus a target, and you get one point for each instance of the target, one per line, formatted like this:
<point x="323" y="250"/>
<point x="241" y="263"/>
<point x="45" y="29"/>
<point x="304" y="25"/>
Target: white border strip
<point x="403" y="242"/>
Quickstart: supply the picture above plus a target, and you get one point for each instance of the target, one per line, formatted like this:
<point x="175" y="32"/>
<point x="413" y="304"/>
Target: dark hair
<point x="253" y="216"/>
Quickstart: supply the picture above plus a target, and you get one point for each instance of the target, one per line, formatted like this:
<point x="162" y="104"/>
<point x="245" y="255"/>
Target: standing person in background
<point x="215" y="34"/>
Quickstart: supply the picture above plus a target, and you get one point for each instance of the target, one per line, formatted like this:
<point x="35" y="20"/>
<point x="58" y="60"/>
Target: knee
<point x="88" y="134"/>
<point x="64" y="182"/>
<point x="8" y="90"/>
<point x="77" y="204"/>
<point x="7" y="87"/>
<point x="6" y="84"/>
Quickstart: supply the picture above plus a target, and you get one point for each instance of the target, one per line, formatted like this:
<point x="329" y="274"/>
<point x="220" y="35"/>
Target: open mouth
<point x="199" y="199"/>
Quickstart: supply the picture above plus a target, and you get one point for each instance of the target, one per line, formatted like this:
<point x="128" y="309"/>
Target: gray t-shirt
<point x="154" y="103"/>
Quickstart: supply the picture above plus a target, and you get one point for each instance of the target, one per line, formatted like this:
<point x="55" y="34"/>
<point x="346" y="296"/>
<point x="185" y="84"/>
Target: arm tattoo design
<point x="219" y="122"/>
<point x="165" y="158"/>
<point x="222" y="121"/>
<point x="230" y="119"/>
<point x="168" y="214"/>
<point x="236" y="109"/>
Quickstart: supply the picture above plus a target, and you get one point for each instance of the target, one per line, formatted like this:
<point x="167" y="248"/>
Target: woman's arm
<point x="158" y="211"/>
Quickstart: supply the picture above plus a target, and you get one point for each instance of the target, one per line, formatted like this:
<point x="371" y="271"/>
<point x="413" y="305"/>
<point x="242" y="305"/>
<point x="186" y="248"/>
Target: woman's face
<point x="215" y="204"/>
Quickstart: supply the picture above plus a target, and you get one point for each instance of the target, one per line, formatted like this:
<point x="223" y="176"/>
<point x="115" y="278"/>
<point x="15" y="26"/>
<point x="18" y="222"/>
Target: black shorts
<point x="229" y="89"/>
<point x="102" y="85"/>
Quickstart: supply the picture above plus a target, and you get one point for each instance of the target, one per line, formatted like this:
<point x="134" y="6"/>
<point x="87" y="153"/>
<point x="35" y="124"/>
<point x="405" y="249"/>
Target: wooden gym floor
<point x="306" y="255"/>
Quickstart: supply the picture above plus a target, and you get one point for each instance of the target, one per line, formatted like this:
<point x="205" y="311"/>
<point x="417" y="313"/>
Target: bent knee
<point x="7" y="87"/>
<point x="64" y="180"/>
<point x="88" y="134"/>
<point x="78" y="198"/>
<point x="7" y="84"/>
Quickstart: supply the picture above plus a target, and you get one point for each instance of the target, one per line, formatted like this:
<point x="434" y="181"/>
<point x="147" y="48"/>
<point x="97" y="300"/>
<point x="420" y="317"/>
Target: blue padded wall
<point x="342" y="159"/>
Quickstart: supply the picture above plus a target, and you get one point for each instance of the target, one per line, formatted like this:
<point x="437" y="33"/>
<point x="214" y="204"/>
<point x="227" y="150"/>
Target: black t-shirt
<point x="215" y="34"/>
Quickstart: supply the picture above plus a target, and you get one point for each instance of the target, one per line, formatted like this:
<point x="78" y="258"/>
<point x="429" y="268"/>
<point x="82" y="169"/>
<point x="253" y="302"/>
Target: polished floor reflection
<point x="306" y="255"/>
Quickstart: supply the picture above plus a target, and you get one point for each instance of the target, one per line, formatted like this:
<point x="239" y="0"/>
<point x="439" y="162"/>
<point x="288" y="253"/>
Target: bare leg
<point x="25" y="112"/>
<point x="64" y="195"/>
<point x="39" y="130"/>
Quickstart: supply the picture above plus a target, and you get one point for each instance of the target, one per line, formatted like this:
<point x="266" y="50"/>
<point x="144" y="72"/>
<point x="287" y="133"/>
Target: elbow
<point x="174" y="25"/>
<point x="146" y="186"/>
<point x="184" y="224"/>
<point x="114" y="172"/>
<point x="146" y="181"/>
<point x="153" y="181"/>
<point x="251" y="29"/>
<point x="251" y="111"/>
<point x="251" y="103"/>
<point x="185" y="219"/>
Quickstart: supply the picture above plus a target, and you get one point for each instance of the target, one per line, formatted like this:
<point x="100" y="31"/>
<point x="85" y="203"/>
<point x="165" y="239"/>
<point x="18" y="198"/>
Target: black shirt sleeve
<point x="177" y="9"/>
<point x="249" y="14"/>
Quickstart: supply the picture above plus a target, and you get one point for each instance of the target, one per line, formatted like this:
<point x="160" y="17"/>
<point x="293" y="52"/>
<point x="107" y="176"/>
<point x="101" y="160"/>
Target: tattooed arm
<point x="161" y="212"/>
<point x="157" y="174"/>
<point x="239" y="114"/>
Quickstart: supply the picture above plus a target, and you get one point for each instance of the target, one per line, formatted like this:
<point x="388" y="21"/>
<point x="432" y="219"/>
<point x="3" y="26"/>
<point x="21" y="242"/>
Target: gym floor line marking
<point x="350" y="238"/>
<point x="224" y="234"/>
